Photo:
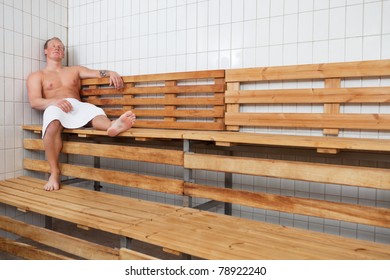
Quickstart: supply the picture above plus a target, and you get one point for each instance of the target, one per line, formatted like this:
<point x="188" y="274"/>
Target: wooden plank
<point x="126" y="254"/>
<point x="378" y="178"/>
<point x="113" y="151"/>
<point x="308" y="120"/>
<point x="324" y="142"/>
<point x="193" y="75"/>
<point x="344" y="143"/>
<point x="60" y="212"/>
<point x="304" y="206"/>
<point x="215" y="112"/>
<point x="66" y="243"/>
<point x="87" y="214"/>
<point x="212" y="236"/>
<point x="371" y="68"/>
<point x="187" y="101"/>
<point x="143" y="90"/>
<point x="191" y="125"/>
<point x="333" y="108"/>
<point x="309" y="96"/>
<point x="132" y="133"/>
<point x="232" y="108"/>
<point x="92" y="209"/>
<point x="274" y="240"/>
<point x="132" y="208"/>
<point x="170" y="95"/>
<point x="28" y="252"/>
<point x="165" y="185"/>
<point x="221" y="81"/>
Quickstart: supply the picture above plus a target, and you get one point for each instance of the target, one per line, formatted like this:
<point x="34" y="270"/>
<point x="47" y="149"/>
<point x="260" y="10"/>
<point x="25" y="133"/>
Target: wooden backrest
<point x="188" y="100"/>
<point x="331" y="95"/>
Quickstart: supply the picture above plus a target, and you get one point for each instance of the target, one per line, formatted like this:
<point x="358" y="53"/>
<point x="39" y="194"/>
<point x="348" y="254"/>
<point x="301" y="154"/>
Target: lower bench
<point x="53" y="245"/>
<point x="181" y="229"/>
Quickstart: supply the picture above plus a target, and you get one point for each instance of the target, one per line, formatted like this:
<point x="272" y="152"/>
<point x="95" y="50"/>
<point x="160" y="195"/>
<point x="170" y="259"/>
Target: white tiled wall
<point x="24" y="26"/>
<point x="150" y="36"/>
<point x="154" y="36"/>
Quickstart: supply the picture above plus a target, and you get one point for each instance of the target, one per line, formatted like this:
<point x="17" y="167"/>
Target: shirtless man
<point x="51" y="85"/>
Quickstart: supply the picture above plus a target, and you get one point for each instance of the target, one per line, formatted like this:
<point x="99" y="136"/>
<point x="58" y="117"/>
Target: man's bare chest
<point x="54" y="80"/>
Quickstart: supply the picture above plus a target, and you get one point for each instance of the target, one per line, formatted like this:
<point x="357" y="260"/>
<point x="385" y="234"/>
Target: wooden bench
<point x="167" y="137"/>
<point x="70" y="247"/>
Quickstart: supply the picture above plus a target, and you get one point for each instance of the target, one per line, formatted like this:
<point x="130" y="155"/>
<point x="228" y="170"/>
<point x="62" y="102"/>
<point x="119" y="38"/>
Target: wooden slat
<point x="61" y="211"/>
<point x="378" y="178"/>
<point x="213" y="235"/>
<point x="191" y="125"/>
<point x="309" y="96"/>
<point x="146" y="182"/>
<point x="311" y="71"/>
<point x="332" y="108"/>
<point x="88" y="208"/>
<point x="134" y="209"/>
<point x="216" y="112"/>
<point x="325" y="142"/>
<point x="189" y="101"/>
<point x="73" y="207"/>
<point x="232" y="108"/>
<point x="170" y="134"/>
<point x="153" y="90"/>
<point x="303" y="206"/>
<point x="308" y="120"/>
<point x="126" y="254"/>
<point x="28" y="252"/>
<point x="113" y="151"/>
<point x="170" y="95"/>
<point x="58" y="240"/>
<point x="161" y="77"/>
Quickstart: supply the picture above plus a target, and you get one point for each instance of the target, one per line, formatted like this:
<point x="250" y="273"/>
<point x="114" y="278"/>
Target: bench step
<point x="226" y="138"/>
<point x="190" y="231"/>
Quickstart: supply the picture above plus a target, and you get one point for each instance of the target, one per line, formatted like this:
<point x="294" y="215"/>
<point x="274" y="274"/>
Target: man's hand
<point x="115" y="80"/>
<point x="64" y="105"/>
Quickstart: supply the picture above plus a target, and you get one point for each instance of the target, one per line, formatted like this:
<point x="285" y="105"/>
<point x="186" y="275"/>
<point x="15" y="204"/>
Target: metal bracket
<point x="125" y="242"/>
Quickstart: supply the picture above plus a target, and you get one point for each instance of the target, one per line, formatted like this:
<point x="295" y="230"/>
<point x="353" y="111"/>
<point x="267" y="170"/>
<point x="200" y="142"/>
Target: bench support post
<point x="187" y="174"/>
<point x="228" y="185"/>
<point x="96" y="164"/>
<point x="48" y="222"/>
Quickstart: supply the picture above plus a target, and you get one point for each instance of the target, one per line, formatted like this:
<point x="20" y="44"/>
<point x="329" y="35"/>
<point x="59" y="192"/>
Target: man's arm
<point x="115" y="78"/>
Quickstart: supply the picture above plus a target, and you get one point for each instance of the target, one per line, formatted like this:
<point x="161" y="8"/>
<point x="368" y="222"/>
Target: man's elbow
<point x="36" y="105"/>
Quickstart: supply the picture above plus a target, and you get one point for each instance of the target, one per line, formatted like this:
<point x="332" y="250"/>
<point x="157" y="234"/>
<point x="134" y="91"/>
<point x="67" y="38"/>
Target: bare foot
<point x="53" y="183"/>
<point x="123" y="123"/>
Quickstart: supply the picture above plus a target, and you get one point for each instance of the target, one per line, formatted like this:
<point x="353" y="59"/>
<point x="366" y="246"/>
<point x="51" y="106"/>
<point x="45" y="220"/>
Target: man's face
<point x="55" y="50"/>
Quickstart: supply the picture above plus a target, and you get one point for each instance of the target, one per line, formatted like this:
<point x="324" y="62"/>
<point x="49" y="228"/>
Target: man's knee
<point x="53" y="128"/>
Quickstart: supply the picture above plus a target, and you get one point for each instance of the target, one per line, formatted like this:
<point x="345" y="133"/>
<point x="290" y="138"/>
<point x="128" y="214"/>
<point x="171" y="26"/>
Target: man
<point x="55" y="90"/>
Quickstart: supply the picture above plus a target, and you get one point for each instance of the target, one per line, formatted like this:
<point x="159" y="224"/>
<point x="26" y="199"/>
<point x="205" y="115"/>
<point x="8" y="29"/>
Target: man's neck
<point x="53" y="65"/>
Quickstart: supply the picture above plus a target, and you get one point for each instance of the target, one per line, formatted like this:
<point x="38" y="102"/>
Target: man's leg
<point x="53" y="145"/>
<point x="113" y="128"/>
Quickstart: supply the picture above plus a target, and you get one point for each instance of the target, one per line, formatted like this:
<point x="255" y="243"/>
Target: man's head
<point x="54" y="45"/>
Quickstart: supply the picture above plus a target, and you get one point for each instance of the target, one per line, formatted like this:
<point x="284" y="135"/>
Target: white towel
<point x="81" y="114"/>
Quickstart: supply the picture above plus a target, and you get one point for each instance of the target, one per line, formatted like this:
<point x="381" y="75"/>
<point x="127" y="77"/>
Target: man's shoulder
<point x="36" y="75"/>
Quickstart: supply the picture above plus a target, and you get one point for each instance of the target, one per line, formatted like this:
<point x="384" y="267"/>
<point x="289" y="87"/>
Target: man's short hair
<point x="54" y="38"/>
